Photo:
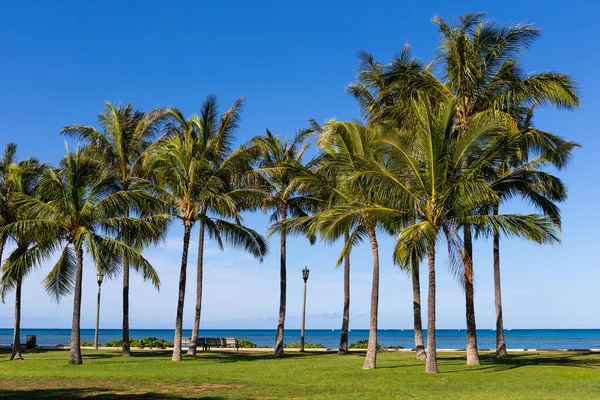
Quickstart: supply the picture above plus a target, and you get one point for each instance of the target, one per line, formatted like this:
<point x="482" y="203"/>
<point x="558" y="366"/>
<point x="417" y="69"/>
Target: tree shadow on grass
<point x="89" y="393"/>
<point x="489" y="363"/>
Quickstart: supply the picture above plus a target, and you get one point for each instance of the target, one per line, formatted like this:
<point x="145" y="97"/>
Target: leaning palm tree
<point x="276" y="161"/>
<point x="80" y="204"/>
<point x="31" y="246"/>
<point x="125" y="137"/>
<point x="442" y="192"/>
<point x="221" y="188"/>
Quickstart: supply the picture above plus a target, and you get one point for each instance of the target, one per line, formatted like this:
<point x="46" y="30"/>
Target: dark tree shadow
<point x="88" y="393"/>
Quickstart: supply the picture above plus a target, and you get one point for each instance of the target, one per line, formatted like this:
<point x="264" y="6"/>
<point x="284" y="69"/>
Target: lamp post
<point x="305" y="273"/>
<point x="100" y="277"/>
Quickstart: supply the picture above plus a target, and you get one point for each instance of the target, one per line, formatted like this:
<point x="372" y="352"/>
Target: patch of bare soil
<point x="90" y="388"/>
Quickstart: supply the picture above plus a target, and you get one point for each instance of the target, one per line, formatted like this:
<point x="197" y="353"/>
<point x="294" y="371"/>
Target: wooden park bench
<point x="207" y="343"/>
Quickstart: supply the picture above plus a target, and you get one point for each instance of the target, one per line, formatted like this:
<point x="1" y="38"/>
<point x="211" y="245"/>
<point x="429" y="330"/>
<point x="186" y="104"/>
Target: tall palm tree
<point x="183" y="166"/>
<point x="79" y="203"/>
<point x="481" y="68"/>
<point x="32" y="247"/>
<point x="221" y="188"/>
<point x="385" y="94"/>
<point x="120" y="147"/>
<point x="321" y="184"/>
<point x="7" y="159"/>
<point x="519" y="172"/>
<point x="442" y="193"/>
<point x="276" y="161"/>
<point x="347" y="148"/>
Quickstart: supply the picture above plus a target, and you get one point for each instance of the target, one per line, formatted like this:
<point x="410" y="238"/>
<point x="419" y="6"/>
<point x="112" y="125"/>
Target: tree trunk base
<point x="421" y="353"/>
<point x="431" y="365"/>
<point x="369" y="363"/>
<point x="473" y="359"/>
<point x="191" y="351"/>
<point x="501" y="352"/>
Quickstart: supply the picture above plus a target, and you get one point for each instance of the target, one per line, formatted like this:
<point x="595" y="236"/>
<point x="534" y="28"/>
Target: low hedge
<point x="296" y="345"/>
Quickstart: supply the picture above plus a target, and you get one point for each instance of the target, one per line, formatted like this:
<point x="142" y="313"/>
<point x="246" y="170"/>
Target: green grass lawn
<point x="224" y="375"/>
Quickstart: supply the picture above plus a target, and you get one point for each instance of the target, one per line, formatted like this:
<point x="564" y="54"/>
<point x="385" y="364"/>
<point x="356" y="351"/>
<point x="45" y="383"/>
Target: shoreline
<point x="327" y="350"/>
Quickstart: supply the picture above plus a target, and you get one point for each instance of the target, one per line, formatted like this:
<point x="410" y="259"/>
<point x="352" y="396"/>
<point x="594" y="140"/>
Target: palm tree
<point x="479" y="61"/>
<point x="31" y="246"/>
<point x="7" y="159"/>
<point x="277" y="160"/>
<point x="347" y="148"/>
<point x="221" y="189"/>
<point x="79" y="203"/>
<point x="194" y="185"/>
<point x="481" y="68"/>
<point x="517" y="174"/>
<point x="442" y="192"/>
<point x="385" y="94"/>
<point x="125" y="138"/>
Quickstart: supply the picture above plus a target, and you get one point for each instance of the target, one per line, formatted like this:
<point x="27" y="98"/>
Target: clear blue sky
<point x="292" y="61"/>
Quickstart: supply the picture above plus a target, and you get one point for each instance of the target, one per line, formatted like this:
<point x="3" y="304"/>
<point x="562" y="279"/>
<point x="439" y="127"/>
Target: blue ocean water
<point x="446" y="338"/>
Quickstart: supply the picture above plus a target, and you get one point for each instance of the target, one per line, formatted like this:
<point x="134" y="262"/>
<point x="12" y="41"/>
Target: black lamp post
<point x="100" y="278"/>
<point x="305" y="273"/>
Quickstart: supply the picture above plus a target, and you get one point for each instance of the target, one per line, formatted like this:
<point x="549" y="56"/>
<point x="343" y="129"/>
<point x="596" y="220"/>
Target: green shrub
<point x="296" y="345"/>
<point x="85" y="343"/>
<point x="151" y="342"/>
<point x="114" y="343"/>
<point x="245" y="344"/>
<point x="363" y="344"/>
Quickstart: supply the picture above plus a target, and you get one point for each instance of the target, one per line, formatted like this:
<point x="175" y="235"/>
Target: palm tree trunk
<point x="2" y="242"/>
<point x="16" y="348"/>
<point x="472" y="353"/>
<point x="125" y="349"/>
<point x="431" y="363"/>
<point x="282" y="287"/>
<point x="181" y="297"/>
<point x="500" y="343"/>
<point x="75" y="353"/>
<point x="418" y="324"/>
<point x="371" y="358"/>
<point x="199" y="265"/>
<point x="343" y="349"/>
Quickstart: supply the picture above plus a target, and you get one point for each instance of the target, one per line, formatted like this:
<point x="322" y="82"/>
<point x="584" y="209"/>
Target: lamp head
<point x="305" y="273"/>
<point x="100" y="277"/>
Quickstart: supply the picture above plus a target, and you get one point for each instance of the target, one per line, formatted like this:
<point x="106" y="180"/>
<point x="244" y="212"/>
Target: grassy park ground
<point x="224" y="375"/>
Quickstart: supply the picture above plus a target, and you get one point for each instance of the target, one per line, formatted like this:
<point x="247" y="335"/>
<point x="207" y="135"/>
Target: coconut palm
<point x="276" y="161"/>
<point x="222" y="190"/>
<point x="385" y="94"/>
<point x="124" y="139"/>
<point x="320" y="183"/>
<point x="7" y="159"/>
<point x="81" y="205"/>
<point x="481" y="68"/>
<point x="442" y="193"/>
<point x="347" y="148"/>
<point x="194" y="185"/>
<point x="31" y="246"/>
<point x="519" y="173"/>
